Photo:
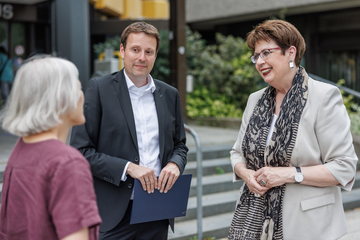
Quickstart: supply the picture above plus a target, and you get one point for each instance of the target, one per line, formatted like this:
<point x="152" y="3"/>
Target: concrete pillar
<point x="177" y="51"/>
<point x="73" y="34"/>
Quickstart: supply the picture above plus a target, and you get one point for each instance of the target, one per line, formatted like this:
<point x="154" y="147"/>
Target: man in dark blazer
<point x="133" y="130"/>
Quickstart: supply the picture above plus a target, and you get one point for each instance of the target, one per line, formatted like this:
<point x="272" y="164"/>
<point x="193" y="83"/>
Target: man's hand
<point x="168" y="176"/>
<point x="145" y="175"/>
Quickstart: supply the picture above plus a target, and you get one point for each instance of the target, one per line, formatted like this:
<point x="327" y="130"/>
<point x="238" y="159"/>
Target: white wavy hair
<point x="44" y="89"/>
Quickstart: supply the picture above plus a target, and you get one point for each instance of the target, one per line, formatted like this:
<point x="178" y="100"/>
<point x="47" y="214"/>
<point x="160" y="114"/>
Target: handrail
<point x="199" y="189"/>
<point x="345" y="89"/>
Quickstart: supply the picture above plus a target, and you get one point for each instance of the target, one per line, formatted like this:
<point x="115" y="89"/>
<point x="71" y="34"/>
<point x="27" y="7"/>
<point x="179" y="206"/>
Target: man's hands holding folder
<point x="168" y="176"/>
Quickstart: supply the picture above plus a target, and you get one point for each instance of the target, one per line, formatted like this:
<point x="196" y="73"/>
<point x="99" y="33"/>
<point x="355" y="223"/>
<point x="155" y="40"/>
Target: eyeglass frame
<point x="254" y="58"/>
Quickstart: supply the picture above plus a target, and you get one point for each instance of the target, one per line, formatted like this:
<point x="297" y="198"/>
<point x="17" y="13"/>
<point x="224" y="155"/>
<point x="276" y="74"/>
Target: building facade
<point x="25" y="29"/>
<point x="69" y="28"/>
<point x="57" y="27"/>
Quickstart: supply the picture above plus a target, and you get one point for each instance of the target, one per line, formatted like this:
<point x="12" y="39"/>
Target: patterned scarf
<point x="261" y="217"/>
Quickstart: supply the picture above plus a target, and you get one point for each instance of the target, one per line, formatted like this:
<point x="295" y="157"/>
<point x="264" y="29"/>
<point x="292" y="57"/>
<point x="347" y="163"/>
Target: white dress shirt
<point x="146" y="124"/>
<point x="273" y="121"/>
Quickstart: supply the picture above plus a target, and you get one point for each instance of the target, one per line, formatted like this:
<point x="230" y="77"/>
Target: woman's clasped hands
<point x="260" y="181"/>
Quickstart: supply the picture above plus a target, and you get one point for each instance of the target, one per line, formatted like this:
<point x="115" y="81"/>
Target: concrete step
<point x="357" y="180"/>
<point x="351" y="200"/>
<point x="215" y="184"/>
<point x="215" y="226"/>
<point x="211" y="152"/>
<point x="210" y="167"/>
<point x="221" y="202"/>
<point x="213" y="204"/>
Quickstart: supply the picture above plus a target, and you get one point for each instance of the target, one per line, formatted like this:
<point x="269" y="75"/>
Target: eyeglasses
<point x="264" y="54"/>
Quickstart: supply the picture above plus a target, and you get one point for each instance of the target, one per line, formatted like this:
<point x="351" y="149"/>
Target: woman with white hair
<point x="48" y="188"/>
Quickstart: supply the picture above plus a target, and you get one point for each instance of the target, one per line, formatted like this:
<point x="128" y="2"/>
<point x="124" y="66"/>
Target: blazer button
<point x="136" y="159"/>
<point x="130" y="185"/>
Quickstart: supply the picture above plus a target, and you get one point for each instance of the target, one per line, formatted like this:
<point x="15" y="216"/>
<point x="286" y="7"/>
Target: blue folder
<point x="157" y="206"/>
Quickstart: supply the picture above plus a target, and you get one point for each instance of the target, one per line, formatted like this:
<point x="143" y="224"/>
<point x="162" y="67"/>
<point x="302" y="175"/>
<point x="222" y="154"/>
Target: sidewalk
<point x="209" y="136"/>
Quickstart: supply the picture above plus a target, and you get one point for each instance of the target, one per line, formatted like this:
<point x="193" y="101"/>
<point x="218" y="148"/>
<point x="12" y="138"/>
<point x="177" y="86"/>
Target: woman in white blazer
<point x="294" y="150"/>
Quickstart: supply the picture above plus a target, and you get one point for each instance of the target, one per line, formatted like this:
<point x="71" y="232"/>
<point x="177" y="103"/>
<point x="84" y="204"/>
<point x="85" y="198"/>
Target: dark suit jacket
<point x="108" y="139"/>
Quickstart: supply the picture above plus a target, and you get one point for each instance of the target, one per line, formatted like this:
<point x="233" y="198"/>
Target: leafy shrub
<point x="352" y="108"/>
<point x="203" y="103"/>
<point x="113" y="43"/>
<point x="355" y="119"/>
<point x="194" y="46"/>
<point x="226" y="69"/>
<point x="219" y="170"/>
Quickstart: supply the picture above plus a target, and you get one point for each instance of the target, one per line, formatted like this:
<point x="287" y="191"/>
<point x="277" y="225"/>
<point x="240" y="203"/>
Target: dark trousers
<point x="157" y="230"/>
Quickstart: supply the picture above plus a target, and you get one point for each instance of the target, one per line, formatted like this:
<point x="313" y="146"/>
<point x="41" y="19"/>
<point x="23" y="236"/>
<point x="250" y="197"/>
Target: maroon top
<point x="47" y="193"/>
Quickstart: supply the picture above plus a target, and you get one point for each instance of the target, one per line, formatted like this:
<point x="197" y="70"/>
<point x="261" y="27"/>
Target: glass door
<point x="4" y="34"/>
<point x="19" y="49"/>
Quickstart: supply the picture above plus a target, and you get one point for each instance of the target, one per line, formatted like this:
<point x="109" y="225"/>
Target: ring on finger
<point x="147" y="180"/>
<point x="262" y="183"/>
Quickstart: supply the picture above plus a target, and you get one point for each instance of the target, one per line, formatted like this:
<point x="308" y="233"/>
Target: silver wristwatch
<point x="298" y="175"/>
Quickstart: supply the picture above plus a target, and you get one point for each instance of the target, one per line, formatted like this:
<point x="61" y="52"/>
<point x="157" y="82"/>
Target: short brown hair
<point x="138" y="27"/>
<point x="282" y="32"/>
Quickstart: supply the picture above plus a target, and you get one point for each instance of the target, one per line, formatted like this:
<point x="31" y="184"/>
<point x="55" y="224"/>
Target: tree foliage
<point x="225" y="69"/>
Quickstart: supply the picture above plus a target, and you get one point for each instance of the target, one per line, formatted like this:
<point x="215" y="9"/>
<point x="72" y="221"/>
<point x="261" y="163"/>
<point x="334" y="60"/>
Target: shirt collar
<point x="149" y="79"/>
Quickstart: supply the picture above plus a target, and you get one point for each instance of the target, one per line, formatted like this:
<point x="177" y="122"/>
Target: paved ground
<point x="212" y="136"/>
<point x="208" y="136"/>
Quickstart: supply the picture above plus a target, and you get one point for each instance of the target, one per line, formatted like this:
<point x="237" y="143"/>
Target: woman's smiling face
<point x="275" y="68"/>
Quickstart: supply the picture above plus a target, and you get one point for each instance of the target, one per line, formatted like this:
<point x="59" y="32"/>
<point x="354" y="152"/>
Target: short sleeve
<point x="335" y="140"/>
<point x="72" y="202"/>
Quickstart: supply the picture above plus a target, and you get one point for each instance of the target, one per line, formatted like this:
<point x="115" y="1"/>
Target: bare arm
<point x="317" y="176"/>
<point x="82" y="234"/>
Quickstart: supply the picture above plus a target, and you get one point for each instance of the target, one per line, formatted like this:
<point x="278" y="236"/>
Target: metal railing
<point x="199" y="212"/>
<point x="345" y="89"/>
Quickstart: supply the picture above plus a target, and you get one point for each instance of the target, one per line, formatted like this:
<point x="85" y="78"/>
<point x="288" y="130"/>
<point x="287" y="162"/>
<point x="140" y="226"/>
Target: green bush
<point x="352" y="108"/>
<point x="355" y="119"/>
<point x="194" y="46"/>
<point x="113" y="43"/>
<point x="227" y="72"/>
<point x="203" y="103"/>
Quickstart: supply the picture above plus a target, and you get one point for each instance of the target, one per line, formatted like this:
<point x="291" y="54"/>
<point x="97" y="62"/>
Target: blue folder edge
<point x="157" y="206"/>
